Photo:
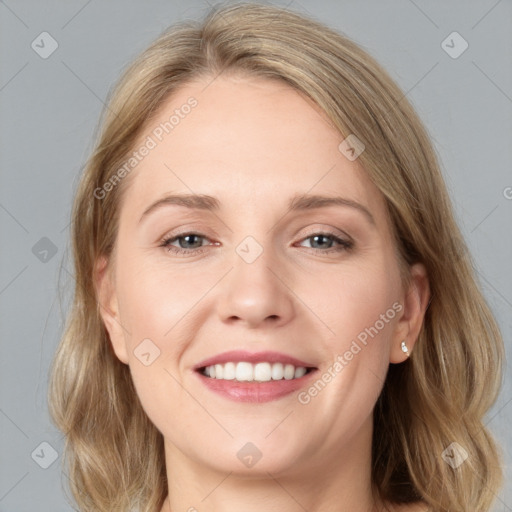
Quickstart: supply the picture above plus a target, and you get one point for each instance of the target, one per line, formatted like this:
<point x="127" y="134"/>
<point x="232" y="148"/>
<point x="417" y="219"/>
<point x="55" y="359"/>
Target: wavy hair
<point x="114" y="454"/>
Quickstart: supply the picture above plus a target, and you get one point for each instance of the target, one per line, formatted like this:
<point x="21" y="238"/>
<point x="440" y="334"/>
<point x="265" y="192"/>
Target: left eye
<point x="193" y="243"/>
<point x="342" y="244"/>
<point x="190" y="240"/>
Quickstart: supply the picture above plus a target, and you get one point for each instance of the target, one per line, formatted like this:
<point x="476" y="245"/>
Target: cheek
<point x="163" y="305"/>
<point x="152" y="299"/>
<point x="358" y="308"/>
<point x="140" y="305"/>
<point x="150" y="305"/>
<point x="353" y="302"/>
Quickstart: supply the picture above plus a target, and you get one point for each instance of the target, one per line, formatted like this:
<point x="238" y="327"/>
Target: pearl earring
<point x="404" y="348"/>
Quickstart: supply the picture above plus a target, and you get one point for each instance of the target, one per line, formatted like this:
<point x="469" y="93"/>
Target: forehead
<point x="247" y="141"/>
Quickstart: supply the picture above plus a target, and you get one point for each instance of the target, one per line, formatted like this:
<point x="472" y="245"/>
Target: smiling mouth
<point x="244" y="371"/>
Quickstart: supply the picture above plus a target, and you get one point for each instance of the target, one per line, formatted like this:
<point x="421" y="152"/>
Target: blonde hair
<point x="437" y="397"/>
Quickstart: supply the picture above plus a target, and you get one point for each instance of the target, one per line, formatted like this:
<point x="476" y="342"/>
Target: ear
<point x="108" y="307"/>
<point x="415" y="301"/>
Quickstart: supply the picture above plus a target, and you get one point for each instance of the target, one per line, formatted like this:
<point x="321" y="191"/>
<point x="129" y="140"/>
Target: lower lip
<point x="254" y="391"/>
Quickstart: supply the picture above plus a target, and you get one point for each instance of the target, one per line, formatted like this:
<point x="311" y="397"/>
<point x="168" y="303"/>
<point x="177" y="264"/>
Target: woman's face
<point x="316" y="286"/>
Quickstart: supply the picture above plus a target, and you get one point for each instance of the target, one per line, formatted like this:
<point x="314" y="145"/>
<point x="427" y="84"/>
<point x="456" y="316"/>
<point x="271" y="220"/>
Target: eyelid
<point x="328" y="228"/>
<point x="188" y="230"/>
<point x="343" y="242"/>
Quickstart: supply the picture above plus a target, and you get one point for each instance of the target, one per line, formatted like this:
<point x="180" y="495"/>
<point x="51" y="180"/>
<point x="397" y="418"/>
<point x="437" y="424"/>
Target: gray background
<point x="50" y="108"/>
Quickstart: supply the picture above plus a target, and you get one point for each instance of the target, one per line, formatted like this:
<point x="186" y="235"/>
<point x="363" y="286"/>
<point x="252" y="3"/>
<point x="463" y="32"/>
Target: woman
<point x="275" y="308"/>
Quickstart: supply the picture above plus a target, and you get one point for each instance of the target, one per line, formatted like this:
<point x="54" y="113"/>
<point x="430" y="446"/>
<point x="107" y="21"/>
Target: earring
<point x="404" y="348"/>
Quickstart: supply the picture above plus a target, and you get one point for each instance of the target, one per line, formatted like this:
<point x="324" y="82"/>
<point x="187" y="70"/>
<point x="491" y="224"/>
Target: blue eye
<point x="192" y="244"/>
<point x="342" y="244"/>
<point x="187" y="250"/>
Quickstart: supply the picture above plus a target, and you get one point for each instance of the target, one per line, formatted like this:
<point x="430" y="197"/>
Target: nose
<point x="256" y="293"/>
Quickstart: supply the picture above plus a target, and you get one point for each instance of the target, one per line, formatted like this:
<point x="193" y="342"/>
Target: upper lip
<point x="252" y="357"/>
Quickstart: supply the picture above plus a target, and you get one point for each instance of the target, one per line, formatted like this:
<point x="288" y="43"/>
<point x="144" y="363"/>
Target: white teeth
<point x="299" y="372"/>
<point x="248" y="372"/>
<point x="244" y="371"/>
<point x="219" y="371"/>
<point x="277" y="371"/>
<point x="229" y="371"/>
<point x="289" y="371"/>
<point x="263" y="372"/>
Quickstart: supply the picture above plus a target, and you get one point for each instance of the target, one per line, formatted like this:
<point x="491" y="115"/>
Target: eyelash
<point x="344" y="245"/>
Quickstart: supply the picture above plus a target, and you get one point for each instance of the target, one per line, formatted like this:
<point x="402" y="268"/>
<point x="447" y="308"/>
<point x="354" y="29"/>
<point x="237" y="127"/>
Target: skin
<point x="253" y="144"/>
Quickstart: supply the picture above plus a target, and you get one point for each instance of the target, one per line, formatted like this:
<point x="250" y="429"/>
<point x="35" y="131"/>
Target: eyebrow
<point x="300" y="202"/>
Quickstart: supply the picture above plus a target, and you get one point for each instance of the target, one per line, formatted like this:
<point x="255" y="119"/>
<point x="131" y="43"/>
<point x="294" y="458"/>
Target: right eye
<point x="190" y="238"/>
